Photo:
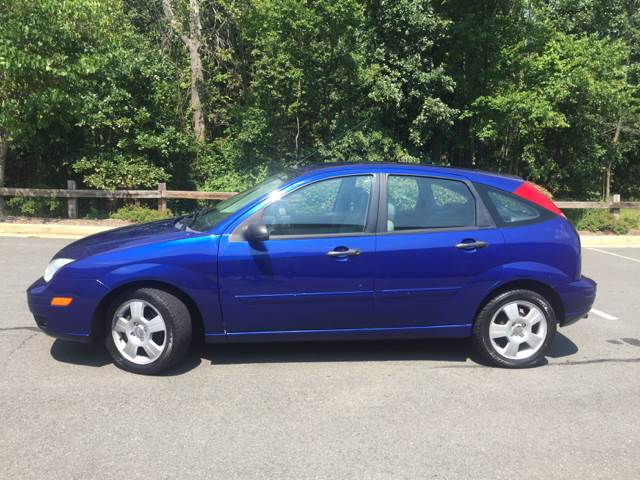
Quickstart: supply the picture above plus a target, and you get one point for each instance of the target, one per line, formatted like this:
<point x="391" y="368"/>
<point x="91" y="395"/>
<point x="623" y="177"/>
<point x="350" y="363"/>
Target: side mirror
<point x="256" y="232"/>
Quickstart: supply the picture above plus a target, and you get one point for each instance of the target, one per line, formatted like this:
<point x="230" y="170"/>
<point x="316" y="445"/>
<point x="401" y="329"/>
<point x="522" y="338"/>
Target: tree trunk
<point x="197" y="74"/>
<point x="197" y="82"/>
<point x="436" y="148"/>
<point x="193" y="43"/>
<point x="616" y="139"/>
<point x="465" y="158"/>
<point x="3" y="160"/>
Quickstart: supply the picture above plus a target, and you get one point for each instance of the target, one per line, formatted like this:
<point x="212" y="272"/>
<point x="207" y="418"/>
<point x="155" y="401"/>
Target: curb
<point x="49" y="230"/>
<point x="619" y="241"/>
<point x="79" y="231"/>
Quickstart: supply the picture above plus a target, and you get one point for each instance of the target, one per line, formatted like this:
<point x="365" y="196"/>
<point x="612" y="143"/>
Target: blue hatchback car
<point x="337" y="252"/>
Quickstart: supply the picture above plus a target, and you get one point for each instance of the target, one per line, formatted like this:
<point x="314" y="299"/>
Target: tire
<point x="515" y="329"/>
<point x="147" y="330"/>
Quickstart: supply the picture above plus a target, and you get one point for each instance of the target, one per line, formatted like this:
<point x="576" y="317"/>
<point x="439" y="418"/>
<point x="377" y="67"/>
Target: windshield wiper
<point x="181" y="222"/>
<point x="193" y="220"/>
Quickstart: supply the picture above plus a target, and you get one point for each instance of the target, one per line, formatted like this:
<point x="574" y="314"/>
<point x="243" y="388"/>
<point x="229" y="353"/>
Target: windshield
<point x="210" y="216"/>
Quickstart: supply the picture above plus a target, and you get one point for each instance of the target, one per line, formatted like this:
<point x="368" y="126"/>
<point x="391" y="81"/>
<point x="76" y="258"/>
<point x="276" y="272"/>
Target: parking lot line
<point x="604" y="315"/>
<point x="614" y="254"/>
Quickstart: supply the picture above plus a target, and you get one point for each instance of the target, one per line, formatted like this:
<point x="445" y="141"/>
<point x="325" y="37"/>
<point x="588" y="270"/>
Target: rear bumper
<point x="73" y="322"/>
<point x="577" y="298"/>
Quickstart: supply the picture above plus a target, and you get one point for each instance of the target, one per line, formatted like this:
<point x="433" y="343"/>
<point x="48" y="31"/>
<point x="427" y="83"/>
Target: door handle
<point x="474" y="245"/>
<point x="349" y="252"/>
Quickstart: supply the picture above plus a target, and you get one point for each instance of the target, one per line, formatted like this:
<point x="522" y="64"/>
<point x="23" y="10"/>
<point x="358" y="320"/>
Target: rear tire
<point x="148" y="330"/>
<point x="515" y="329"/>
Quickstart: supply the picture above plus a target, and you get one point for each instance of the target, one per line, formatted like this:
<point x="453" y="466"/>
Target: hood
<point x="124" y="237"/>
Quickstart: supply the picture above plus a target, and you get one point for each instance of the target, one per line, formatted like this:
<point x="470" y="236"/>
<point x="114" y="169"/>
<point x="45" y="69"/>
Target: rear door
<point x="438" y="253"/>
<point x="315" y="272"/>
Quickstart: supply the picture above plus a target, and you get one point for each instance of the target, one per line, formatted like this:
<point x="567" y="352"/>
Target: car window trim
<point x="483" y="220"/>
<point x="370" y="224"/>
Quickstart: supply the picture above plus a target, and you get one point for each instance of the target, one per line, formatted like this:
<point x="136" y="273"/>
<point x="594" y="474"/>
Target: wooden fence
<point x="162" y="194"/>
<point x="72" y="194"/>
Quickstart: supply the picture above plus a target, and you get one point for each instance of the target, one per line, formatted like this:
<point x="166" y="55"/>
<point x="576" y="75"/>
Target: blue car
<point x="336" y="252"/>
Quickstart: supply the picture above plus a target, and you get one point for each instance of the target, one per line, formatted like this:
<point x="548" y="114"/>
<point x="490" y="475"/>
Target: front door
<point x="438" y="255"/>
<point x="315" y="272"/>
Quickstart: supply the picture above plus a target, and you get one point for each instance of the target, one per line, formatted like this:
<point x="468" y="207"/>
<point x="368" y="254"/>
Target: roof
<point x="498" y="180"/>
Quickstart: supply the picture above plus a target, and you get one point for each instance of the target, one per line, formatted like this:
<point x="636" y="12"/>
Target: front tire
<point x="148" y="330"/>
<point x="515" y="329"/>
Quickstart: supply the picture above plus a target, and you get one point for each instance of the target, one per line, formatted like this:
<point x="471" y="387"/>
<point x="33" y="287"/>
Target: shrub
<point x="602" y="221"/>
<point x="34" y="207"/>
<point x="139" y="214"/>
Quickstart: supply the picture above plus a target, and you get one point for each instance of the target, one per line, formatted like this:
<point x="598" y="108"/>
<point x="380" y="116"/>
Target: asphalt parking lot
<point x="378" y="410"/>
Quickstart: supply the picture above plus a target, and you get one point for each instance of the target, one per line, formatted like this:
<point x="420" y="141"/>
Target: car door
<point x="315" y="272"/>
<point x="438" y="253"/>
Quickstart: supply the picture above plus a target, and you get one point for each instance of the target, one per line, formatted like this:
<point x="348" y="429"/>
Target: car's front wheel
<point x="515" y="328"/>
<point x="149" y="330"/>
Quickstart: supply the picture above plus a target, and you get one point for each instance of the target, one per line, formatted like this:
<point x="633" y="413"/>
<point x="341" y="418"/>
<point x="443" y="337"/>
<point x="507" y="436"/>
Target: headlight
<point x="54" y="266"/>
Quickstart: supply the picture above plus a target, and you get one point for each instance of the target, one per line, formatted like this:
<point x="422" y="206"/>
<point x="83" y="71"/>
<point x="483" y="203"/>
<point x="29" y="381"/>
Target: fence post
<point x="72" y="203"/>
<point x="615" y="211"/>
<point x="162" y="201"/>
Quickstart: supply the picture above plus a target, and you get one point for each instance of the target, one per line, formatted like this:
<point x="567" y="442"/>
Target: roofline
<point x="304" y="169"/>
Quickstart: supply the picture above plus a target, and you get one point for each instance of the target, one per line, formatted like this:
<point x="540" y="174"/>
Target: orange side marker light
<point x="61" y="301"/>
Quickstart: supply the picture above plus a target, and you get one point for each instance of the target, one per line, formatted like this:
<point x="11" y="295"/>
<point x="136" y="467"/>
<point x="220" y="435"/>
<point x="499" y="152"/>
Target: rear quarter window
<point x="507" y="209"/>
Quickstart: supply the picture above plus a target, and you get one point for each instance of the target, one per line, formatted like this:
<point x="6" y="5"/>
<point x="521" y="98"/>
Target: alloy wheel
<point x="518" y="330"/>
<point x="139" y="332"/>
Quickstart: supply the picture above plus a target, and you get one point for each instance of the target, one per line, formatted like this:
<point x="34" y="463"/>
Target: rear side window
<point x="509" y="209"/>
<point x="416" y="203"/>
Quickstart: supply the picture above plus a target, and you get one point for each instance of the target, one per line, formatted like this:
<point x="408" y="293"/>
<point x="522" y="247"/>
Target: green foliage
<point x="23" y="206"/>
<point x="139" y="214"/>
<point x="111" y="172"/>
<point x="632" y="217"/>
<point x="83" y="92"/>
<point x="99" y="91"/>
<point x="599" y="220"/>
<point x="573" y="88"/>
<point x="31" y="207"/>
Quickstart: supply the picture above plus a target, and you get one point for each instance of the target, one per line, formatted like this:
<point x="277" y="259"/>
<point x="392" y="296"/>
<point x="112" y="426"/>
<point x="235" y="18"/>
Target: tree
<point x="193" y="43"/>
<point x="217" y="94"/>
<point x="551" y="124"/>
<point x="82" y="92"/>
<point x="405" y="82"/>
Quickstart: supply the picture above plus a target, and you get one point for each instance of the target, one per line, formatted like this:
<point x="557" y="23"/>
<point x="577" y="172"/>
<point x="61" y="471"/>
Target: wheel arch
<point x="99" y="319"/>
<point x="537" y="286"/>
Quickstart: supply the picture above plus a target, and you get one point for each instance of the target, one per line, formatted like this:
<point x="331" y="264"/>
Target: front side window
<point x="336" y="205"/>
<point x="209" y="217"/>
<point x="415" y="203"/>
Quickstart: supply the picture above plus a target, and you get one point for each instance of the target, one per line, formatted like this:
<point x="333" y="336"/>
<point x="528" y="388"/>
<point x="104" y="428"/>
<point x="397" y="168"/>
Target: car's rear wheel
<point x="149" y="330"/>
<point x="515" y="329"/>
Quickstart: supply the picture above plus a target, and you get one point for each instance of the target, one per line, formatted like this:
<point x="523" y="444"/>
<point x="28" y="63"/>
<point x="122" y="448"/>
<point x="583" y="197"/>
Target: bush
<point x="602" y="221"/>
<point x="139" y="214"/>
<point x="34" y="207"/>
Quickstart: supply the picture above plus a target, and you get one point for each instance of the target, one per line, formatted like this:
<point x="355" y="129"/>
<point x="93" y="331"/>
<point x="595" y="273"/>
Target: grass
<point x="601" y="221"/>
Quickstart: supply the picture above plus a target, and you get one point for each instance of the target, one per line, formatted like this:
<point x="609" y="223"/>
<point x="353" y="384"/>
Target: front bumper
<point x="73" y="322"/>
<point x="577" y="298"/>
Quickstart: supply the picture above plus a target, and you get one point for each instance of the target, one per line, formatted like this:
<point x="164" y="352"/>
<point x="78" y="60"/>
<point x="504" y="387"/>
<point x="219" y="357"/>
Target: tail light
<point x="529" y="192"/>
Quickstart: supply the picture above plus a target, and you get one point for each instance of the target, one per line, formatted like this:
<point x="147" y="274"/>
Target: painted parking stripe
<point x="604" y="315"/>
<point x="614" y="254"/>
